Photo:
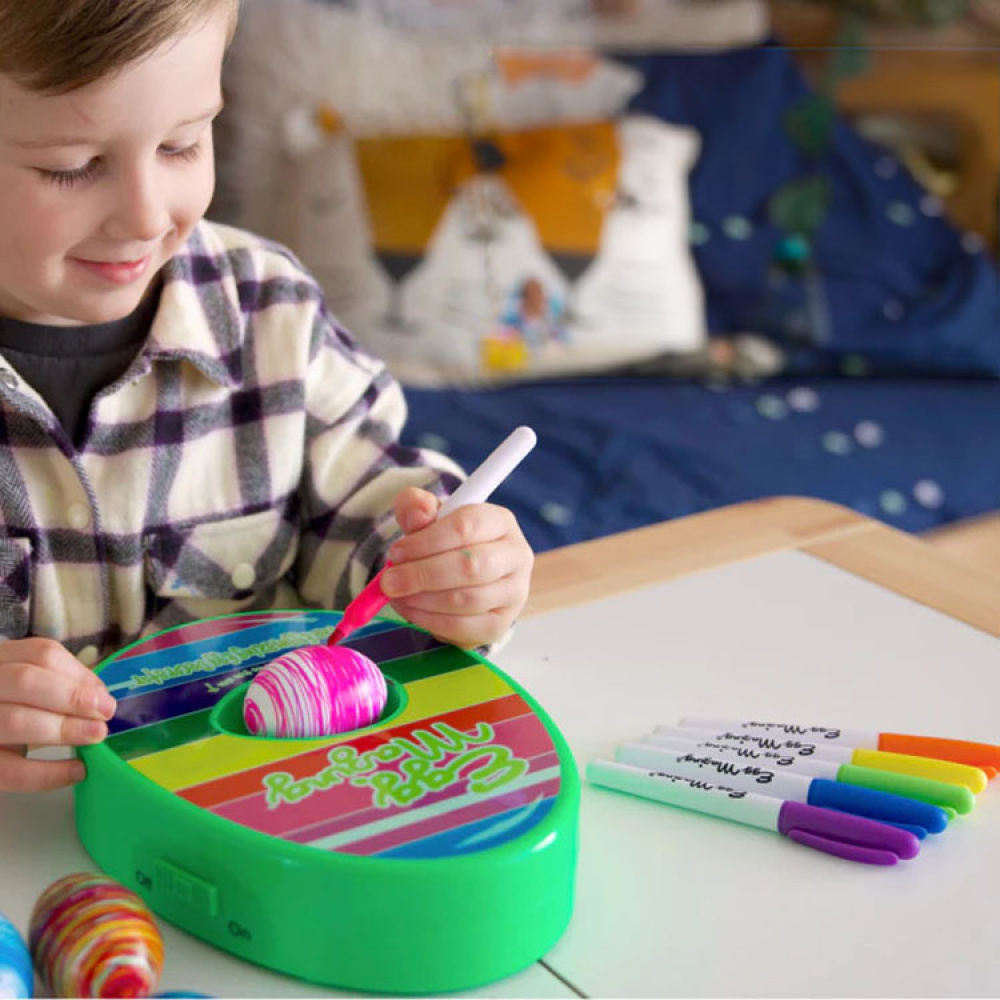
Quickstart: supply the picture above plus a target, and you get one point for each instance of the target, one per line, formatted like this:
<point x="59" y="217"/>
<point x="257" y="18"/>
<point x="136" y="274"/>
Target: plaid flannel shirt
<point x="248" y="458"/>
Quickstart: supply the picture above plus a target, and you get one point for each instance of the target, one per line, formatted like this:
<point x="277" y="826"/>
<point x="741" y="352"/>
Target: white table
<point x="670" y="903"/>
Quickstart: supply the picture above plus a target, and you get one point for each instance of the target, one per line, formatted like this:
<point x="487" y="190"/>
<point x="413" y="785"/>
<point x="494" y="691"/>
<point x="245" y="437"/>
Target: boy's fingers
<point x="25" y="684"/>
<point x="465" y="600"/>
<point x="49" y="655"/>
<point x="462" y="528"/>
<point x="18" y="774"/>
<point x="466" y="631"/>
<point x="465" y="567"/>
<point x="34" y="726"/>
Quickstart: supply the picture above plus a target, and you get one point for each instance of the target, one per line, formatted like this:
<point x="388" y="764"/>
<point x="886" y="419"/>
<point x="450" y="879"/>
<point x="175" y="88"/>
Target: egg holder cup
<point x="434" y="850"/>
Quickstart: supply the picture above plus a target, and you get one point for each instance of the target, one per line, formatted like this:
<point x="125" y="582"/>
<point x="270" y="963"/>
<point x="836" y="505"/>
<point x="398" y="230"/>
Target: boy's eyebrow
<point x="49" y="143"/>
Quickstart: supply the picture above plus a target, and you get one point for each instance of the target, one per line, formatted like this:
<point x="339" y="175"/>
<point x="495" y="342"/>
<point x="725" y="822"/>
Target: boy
<point x="184" y="431"/>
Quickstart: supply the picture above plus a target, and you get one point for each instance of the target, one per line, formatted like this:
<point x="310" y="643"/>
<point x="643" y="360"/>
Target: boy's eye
<point x="67" y="178"/>
<point x="181" y="152"/>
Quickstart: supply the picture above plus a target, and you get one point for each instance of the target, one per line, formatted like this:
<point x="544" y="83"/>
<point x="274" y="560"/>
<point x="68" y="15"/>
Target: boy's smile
<point x="122" y="272"/>
<point x="101" y="186"/>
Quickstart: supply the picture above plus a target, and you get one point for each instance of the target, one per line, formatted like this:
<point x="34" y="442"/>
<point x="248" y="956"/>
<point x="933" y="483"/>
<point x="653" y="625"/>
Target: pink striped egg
<point x="315" y="691"/>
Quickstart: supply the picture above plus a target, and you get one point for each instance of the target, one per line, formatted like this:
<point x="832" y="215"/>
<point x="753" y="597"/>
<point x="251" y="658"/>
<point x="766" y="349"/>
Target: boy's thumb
<point x="415" y="509"/>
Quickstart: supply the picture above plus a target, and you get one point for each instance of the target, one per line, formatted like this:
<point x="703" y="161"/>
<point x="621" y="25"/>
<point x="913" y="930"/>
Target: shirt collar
<point x="199" y="319"/>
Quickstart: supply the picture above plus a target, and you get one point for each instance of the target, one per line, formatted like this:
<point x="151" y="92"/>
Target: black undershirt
<point x="68" y="365"/>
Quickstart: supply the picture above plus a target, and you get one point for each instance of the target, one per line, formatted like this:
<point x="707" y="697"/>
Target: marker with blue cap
<point x="919" y="818"/>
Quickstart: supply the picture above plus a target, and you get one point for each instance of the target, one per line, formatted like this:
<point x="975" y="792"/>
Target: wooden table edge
<point x="588" y="571"/>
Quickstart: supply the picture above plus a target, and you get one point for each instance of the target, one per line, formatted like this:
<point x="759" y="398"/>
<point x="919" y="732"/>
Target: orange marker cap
<point x="982" y="755"/>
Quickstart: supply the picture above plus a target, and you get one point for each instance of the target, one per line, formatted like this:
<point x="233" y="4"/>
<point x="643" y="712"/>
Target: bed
<point x="886" y="392"/>
<point x="619" y="453"/>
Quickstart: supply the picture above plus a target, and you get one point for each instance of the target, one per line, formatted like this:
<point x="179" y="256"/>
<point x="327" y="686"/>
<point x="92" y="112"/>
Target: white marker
<point x="983" y="755"/>
<point x="497" y="466"/>
<point x="952" y="798"/>
<point x="974" y="778"/>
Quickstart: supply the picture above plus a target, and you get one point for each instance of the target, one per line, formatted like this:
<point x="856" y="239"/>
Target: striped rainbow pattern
<point x="92" y="937"/>
<point x="464" y="765"/>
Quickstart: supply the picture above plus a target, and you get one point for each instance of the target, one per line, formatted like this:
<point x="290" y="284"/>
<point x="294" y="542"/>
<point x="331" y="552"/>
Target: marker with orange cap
<point x="985" y="756"/>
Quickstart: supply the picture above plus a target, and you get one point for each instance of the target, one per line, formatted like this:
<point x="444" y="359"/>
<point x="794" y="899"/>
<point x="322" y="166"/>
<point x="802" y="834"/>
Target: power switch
<point x="186" y="888"/>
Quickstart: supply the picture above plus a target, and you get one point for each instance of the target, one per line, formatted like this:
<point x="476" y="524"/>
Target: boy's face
<point x="101" y="186"/>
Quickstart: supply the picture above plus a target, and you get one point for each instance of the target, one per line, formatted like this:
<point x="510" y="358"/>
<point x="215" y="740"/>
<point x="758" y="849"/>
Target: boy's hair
<point x="57" y="46"/>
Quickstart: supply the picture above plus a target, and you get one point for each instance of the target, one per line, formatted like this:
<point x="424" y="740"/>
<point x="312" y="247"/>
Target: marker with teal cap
<point x="853" y="838"/>
<point x="919" y="818"/>
<point x="953" y="799"/>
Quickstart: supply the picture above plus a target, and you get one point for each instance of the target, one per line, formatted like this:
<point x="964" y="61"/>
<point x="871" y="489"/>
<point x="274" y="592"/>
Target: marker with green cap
<point x="953" y="799"/>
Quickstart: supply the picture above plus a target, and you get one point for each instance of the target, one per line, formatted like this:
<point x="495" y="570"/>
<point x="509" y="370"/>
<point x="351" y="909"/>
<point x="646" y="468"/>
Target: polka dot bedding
<point x="619" y="453"/>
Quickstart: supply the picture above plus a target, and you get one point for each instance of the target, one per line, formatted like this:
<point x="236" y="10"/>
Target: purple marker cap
<point x="852" y="837"/>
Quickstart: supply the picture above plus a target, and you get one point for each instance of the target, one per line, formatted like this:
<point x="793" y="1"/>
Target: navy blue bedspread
<point x="911" y="301"/>
<point x="618" y="453"/>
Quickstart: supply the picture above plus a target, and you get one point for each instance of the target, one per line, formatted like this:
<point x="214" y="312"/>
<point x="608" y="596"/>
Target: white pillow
<point x="568" y="254"/>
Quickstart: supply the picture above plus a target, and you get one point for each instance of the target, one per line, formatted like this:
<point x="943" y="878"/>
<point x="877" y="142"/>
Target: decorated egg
<point x="16" y="976"/>
<point x="315" y="691"/>
<point x="92" y="937"/>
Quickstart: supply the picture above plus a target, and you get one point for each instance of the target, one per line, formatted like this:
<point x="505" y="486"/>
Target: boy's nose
<point x="141" y="213"/>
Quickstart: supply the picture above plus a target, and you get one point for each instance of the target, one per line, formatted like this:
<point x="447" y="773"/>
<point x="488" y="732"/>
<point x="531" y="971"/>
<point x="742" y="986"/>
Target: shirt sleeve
<point x="354" y="466"/>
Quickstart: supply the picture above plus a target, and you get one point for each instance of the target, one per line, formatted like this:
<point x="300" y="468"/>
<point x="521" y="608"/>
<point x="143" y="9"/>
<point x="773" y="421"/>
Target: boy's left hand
<point x="464" y="578"/>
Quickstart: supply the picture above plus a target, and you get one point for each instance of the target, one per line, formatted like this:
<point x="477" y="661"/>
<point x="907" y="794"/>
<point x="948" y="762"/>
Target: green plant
<point x="799" y="207"/>
<point x="932" y="13"/>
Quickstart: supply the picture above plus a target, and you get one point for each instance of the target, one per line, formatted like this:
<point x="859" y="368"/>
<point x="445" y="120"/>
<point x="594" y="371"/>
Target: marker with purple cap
<point x="841" y="834"/>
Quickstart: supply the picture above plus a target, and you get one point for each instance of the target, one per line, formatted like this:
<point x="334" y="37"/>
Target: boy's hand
<point x="464" y="578"/>
<point x="47" y="698"/>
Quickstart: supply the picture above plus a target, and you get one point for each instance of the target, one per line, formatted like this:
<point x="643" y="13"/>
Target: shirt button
<point x="88" y="655"/>
<point x="8" y="378"/>
<point x="243" y="576"/>
<point x="78" y="516"/>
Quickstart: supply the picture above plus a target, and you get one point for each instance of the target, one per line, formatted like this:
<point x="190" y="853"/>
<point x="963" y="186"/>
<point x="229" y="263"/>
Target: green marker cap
<point x="952" y="799"/>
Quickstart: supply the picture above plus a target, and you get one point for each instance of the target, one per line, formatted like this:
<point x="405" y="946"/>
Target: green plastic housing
<point x="355" y="922"/>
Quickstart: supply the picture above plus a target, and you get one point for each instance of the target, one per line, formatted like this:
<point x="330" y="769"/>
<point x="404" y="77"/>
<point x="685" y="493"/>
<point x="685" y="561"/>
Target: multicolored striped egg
<point x="92" y="937"/>
<point x="315" y="691"/>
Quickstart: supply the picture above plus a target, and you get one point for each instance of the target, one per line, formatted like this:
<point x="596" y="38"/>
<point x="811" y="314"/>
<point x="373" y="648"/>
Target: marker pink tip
<point x="362" y="609"/>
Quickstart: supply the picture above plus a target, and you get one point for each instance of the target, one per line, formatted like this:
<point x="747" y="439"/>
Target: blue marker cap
<point x="918" y="817"/>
